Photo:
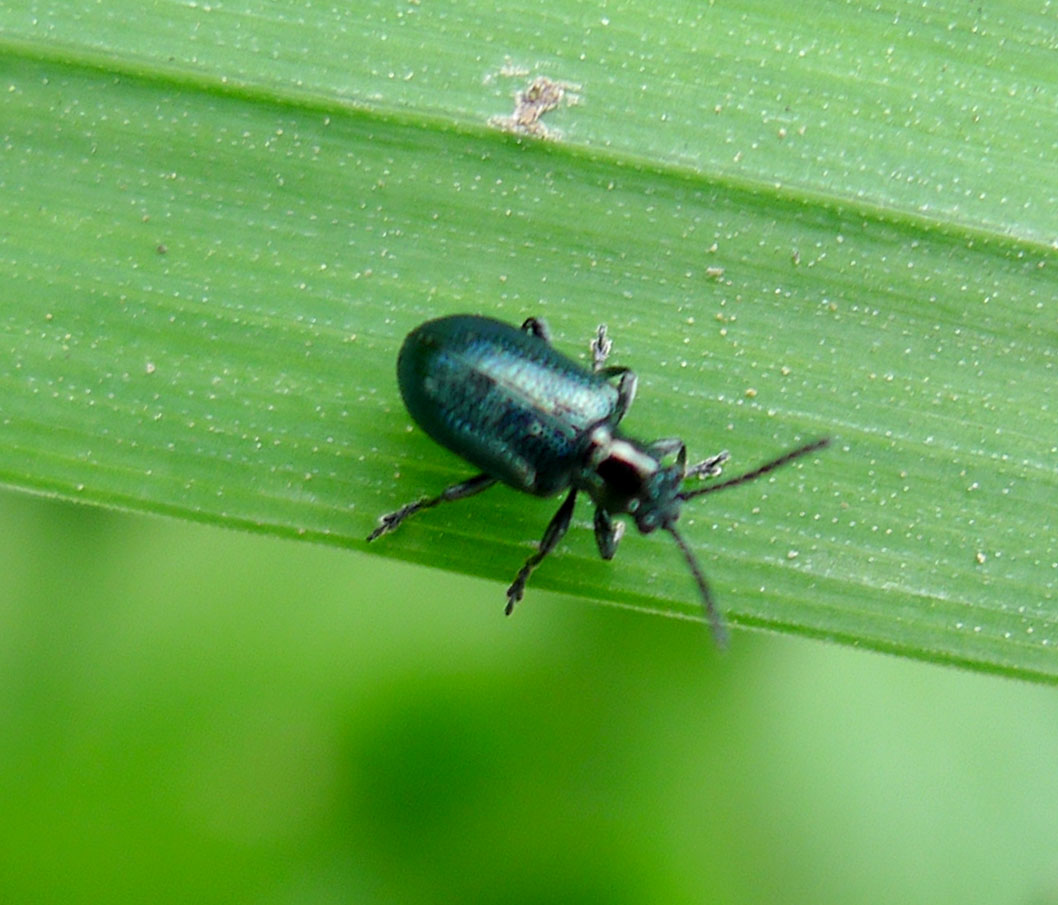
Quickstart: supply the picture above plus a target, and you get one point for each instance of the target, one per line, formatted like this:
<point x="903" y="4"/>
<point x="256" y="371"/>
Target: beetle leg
<point x="668" y="446"/>
<point x="556" y="528"/>
<point x="757" y="472"/>
<point x="626" y="392"/>
<point x="626" y="386"/>
<point x="537" y="327"/>
<point x="600" y="348"/>
<point x="460" y="491"/>
<point x="607" y="533"/>
<point x="710" y="468"/>
<point x="626" y="389"/>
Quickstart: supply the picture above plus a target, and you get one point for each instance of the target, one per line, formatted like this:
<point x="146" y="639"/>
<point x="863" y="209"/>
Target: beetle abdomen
<point x="501" y="398"/>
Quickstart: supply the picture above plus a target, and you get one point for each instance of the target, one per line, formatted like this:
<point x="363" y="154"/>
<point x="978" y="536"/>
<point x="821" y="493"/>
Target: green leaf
<point x="219" y="222"/>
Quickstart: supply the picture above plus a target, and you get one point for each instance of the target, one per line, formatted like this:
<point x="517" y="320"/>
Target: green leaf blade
<point x="209" y="270"/>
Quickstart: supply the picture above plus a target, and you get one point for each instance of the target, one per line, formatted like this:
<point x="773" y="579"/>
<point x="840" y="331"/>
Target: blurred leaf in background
<point x="190" y="714"/>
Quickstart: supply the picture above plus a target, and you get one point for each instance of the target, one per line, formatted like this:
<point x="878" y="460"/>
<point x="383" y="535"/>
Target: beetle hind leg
<point x="554" y="532"/>
<point x="461" y="491"/>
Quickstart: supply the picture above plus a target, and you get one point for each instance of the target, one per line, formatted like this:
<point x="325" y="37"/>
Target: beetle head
<point x="624" y="476"/>
<point x="658" y="505"/>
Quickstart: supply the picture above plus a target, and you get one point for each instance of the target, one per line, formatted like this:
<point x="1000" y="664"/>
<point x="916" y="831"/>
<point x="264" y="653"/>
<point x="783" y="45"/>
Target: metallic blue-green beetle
<point x="526" y="415"/>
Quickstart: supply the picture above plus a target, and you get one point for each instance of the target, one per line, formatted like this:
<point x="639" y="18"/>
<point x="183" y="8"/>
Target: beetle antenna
<point x="712" y="614"/>
<point x="784" y="459"/>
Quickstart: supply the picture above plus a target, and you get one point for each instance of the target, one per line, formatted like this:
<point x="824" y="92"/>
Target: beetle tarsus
<point x="709" y="468"/>
<point x="601" y="345"/>
<point x="391" y="521"/>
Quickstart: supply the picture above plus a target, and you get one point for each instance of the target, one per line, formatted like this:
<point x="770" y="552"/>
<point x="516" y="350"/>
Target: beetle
<point x="525" y="415"/>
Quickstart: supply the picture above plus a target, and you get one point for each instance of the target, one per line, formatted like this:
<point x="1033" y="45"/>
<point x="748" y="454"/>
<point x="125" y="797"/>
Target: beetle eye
<point x="621" y="476"/>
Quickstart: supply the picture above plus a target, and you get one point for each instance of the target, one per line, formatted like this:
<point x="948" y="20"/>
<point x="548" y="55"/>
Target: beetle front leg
<point x="607" y="533"/>
<point x="554" y="532"/>
<point x="669" y="446"/>
<point x="459" y="491"/>
<point x="709" y="468"/>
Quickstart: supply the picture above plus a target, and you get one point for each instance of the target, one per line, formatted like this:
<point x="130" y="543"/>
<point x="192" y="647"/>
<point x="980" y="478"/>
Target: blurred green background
<point x="190" y="714"/>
